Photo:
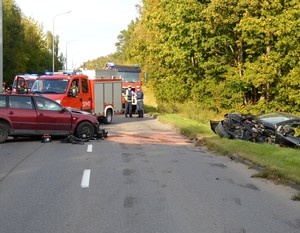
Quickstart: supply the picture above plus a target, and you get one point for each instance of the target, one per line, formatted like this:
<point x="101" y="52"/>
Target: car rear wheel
<point x="85" y="130"/>
<point x="4" y="131"/>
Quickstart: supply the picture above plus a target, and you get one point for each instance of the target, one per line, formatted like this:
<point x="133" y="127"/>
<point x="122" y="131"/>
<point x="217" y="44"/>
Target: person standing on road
<point x="128" y="101"/>
<point x="140" y="102"/>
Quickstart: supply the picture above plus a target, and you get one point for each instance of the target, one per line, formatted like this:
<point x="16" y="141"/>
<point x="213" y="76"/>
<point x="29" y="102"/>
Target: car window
<point x="77" y="84"/>
<point x="21" y="102"/>
<point x="85" y="86"/>
<point x="46" y="104"/>
<point x="2" y="101"/>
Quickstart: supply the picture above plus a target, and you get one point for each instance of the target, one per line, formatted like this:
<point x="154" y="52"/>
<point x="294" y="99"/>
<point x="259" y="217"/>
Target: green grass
<point x="277" y="163"/>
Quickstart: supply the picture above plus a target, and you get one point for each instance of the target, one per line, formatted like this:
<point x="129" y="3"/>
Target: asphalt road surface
<point x="144" y="178"/>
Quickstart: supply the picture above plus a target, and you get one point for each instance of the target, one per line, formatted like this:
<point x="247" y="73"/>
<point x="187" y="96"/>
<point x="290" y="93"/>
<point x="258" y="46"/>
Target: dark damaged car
<point x="275" y="128"/>
<point x="34" y="115"/>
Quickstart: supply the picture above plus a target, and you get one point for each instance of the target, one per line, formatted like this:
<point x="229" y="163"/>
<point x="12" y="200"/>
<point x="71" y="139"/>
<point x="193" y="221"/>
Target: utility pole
<point x="53" y="39"/>
<point x="1" y="44"/>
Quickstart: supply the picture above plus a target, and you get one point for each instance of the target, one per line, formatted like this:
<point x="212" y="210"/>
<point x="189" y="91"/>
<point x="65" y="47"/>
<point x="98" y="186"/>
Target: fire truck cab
<point x="25" y="82"/>
<point x="102" y="97"/>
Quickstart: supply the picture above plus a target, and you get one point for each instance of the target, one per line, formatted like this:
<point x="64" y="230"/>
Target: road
<point x="144" y="178"/>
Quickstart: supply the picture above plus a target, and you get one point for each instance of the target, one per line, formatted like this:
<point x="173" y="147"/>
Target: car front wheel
<point x="85" y="130"/>
<point x="3" y="132"/>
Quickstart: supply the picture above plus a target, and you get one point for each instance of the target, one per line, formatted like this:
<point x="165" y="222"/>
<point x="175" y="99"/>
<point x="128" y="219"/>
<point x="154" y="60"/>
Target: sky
<point x="89" y="31"/>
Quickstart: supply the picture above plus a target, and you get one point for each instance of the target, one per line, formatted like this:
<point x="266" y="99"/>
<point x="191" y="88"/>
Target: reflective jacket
<point x="128" y="95"/>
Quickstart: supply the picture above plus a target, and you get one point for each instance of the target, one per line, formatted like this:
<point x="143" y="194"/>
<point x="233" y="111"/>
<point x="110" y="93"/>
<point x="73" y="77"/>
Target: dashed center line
<point x="85" y="182"/>
<point x="90" y="148"/>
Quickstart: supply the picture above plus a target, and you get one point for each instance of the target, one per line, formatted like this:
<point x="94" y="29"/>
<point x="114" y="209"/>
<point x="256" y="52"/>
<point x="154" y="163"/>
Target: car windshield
<point x="274" y="118"/>
<point x="50" y="86"/>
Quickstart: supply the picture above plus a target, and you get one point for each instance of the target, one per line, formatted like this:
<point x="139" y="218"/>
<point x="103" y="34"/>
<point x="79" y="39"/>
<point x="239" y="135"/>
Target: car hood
<point x="74" y="110"/>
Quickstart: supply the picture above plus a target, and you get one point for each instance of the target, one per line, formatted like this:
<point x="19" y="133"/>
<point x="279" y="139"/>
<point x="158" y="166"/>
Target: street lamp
<point x="67" y="53"/>
<point x="53" y="37"/>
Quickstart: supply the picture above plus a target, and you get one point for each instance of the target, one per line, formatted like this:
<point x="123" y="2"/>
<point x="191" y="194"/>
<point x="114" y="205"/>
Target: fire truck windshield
<point x="50" y="86"/>
<point x="129" y="77"/>
<point x="28" y="82"/>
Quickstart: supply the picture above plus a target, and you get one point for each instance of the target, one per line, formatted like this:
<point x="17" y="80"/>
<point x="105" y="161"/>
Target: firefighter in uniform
<point x="74" y="89"/>
<point x="128" y="101"/>
<point x="22" y="88"/>
<point x="140" y="102"/>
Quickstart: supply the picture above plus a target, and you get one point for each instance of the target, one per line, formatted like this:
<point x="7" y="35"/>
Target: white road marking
<point x="90" y="148"/>
<point x="85" y="182"/>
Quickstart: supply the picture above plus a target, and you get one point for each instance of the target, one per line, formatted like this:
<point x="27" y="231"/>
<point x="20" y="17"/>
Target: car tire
<point x="108" y="118"/>
<point x="85" y="130"/>
<point x="4" y="131"/>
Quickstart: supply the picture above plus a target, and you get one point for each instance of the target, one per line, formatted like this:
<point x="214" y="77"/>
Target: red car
<point x="34" y="115"/>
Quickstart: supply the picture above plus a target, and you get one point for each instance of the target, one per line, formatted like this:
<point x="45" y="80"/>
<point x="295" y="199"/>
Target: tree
<point x="233" y="55"/>
<point x="38" y="58"/>
<point x="13" y="41"/>
<point x="24" y="44"/>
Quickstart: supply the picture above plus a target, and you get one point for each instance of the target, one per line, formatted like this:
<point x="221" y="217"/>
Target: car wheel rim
<point x="85" y="133"/>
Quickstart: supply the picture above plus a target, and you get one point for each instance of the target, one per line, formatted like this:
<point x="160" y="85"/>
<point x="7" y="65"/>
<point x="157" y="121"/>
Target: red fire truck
<point x="130" y="76"/>
<point x="27" y="80"/>
<point x="102" y="97"/>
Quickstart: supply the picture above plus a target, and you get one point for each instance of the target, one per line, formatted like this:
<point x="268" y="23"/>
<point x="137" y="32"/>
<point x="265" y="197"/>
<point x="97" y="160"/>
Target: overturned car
<point x="275" y="128"/>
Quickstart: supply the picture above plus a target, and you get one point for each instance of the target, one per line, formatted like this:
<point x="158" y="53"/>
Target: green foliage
<point x="13" y="41"/>
<point x="233" y="55"/>
<point x="224" y="55"/>
<point x="26" y="49"/>
<point x="36" y="52"/>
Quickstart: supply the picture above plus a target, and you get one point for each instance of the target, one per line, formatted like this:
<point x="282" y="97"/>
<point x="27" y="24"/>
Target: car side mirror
<point x="63" y="110"/>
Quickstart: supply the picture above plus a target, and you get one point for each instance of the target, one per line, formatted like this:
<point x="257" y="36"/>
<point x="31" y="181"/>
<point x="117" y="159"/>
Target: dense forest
<point x="236" y="55"/>
<point x="26" y="48"/>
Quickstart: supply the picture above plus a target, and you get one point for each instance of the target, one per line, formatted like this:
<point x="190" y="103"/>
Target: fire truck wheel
<point x="85" y="130"/>
<point x="108" y="118"/>
<point x="3" y="132"/>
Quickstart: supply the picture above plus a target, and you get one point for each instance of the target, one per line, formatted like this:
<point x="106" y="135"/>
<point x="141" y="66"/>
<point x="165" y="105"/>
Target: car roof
<point x="23" y="95"/>
<point x="15" y="94"/>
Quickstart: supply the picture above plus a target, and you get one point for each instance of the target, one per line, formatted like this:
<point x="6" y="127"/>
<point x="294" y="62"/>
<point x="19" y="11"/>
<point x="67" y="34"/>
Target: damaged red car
<point x="34" y="115"/>
<point x="276" y="128"/>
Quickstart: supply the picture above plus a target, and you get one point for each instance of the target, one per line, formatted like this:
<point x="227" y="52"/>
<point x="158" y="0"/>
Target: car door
<point x="72" y="100"/>
<point x="52" y="118"/>
<point x="22" y="114"/>
<point x="85" y="95"/>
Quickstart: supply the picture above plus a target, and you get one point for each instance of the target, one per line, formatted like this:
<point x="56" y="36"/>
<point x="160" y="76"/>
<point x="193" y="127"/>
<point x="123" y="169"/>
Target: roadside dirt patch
<point x="158" y="138"/>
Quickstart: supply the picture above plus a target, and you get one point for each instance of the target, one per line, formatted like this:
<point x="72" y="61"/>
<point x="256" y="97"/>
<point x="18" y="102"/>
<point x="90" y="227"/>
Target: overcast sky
<point x="89" y="31"/>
